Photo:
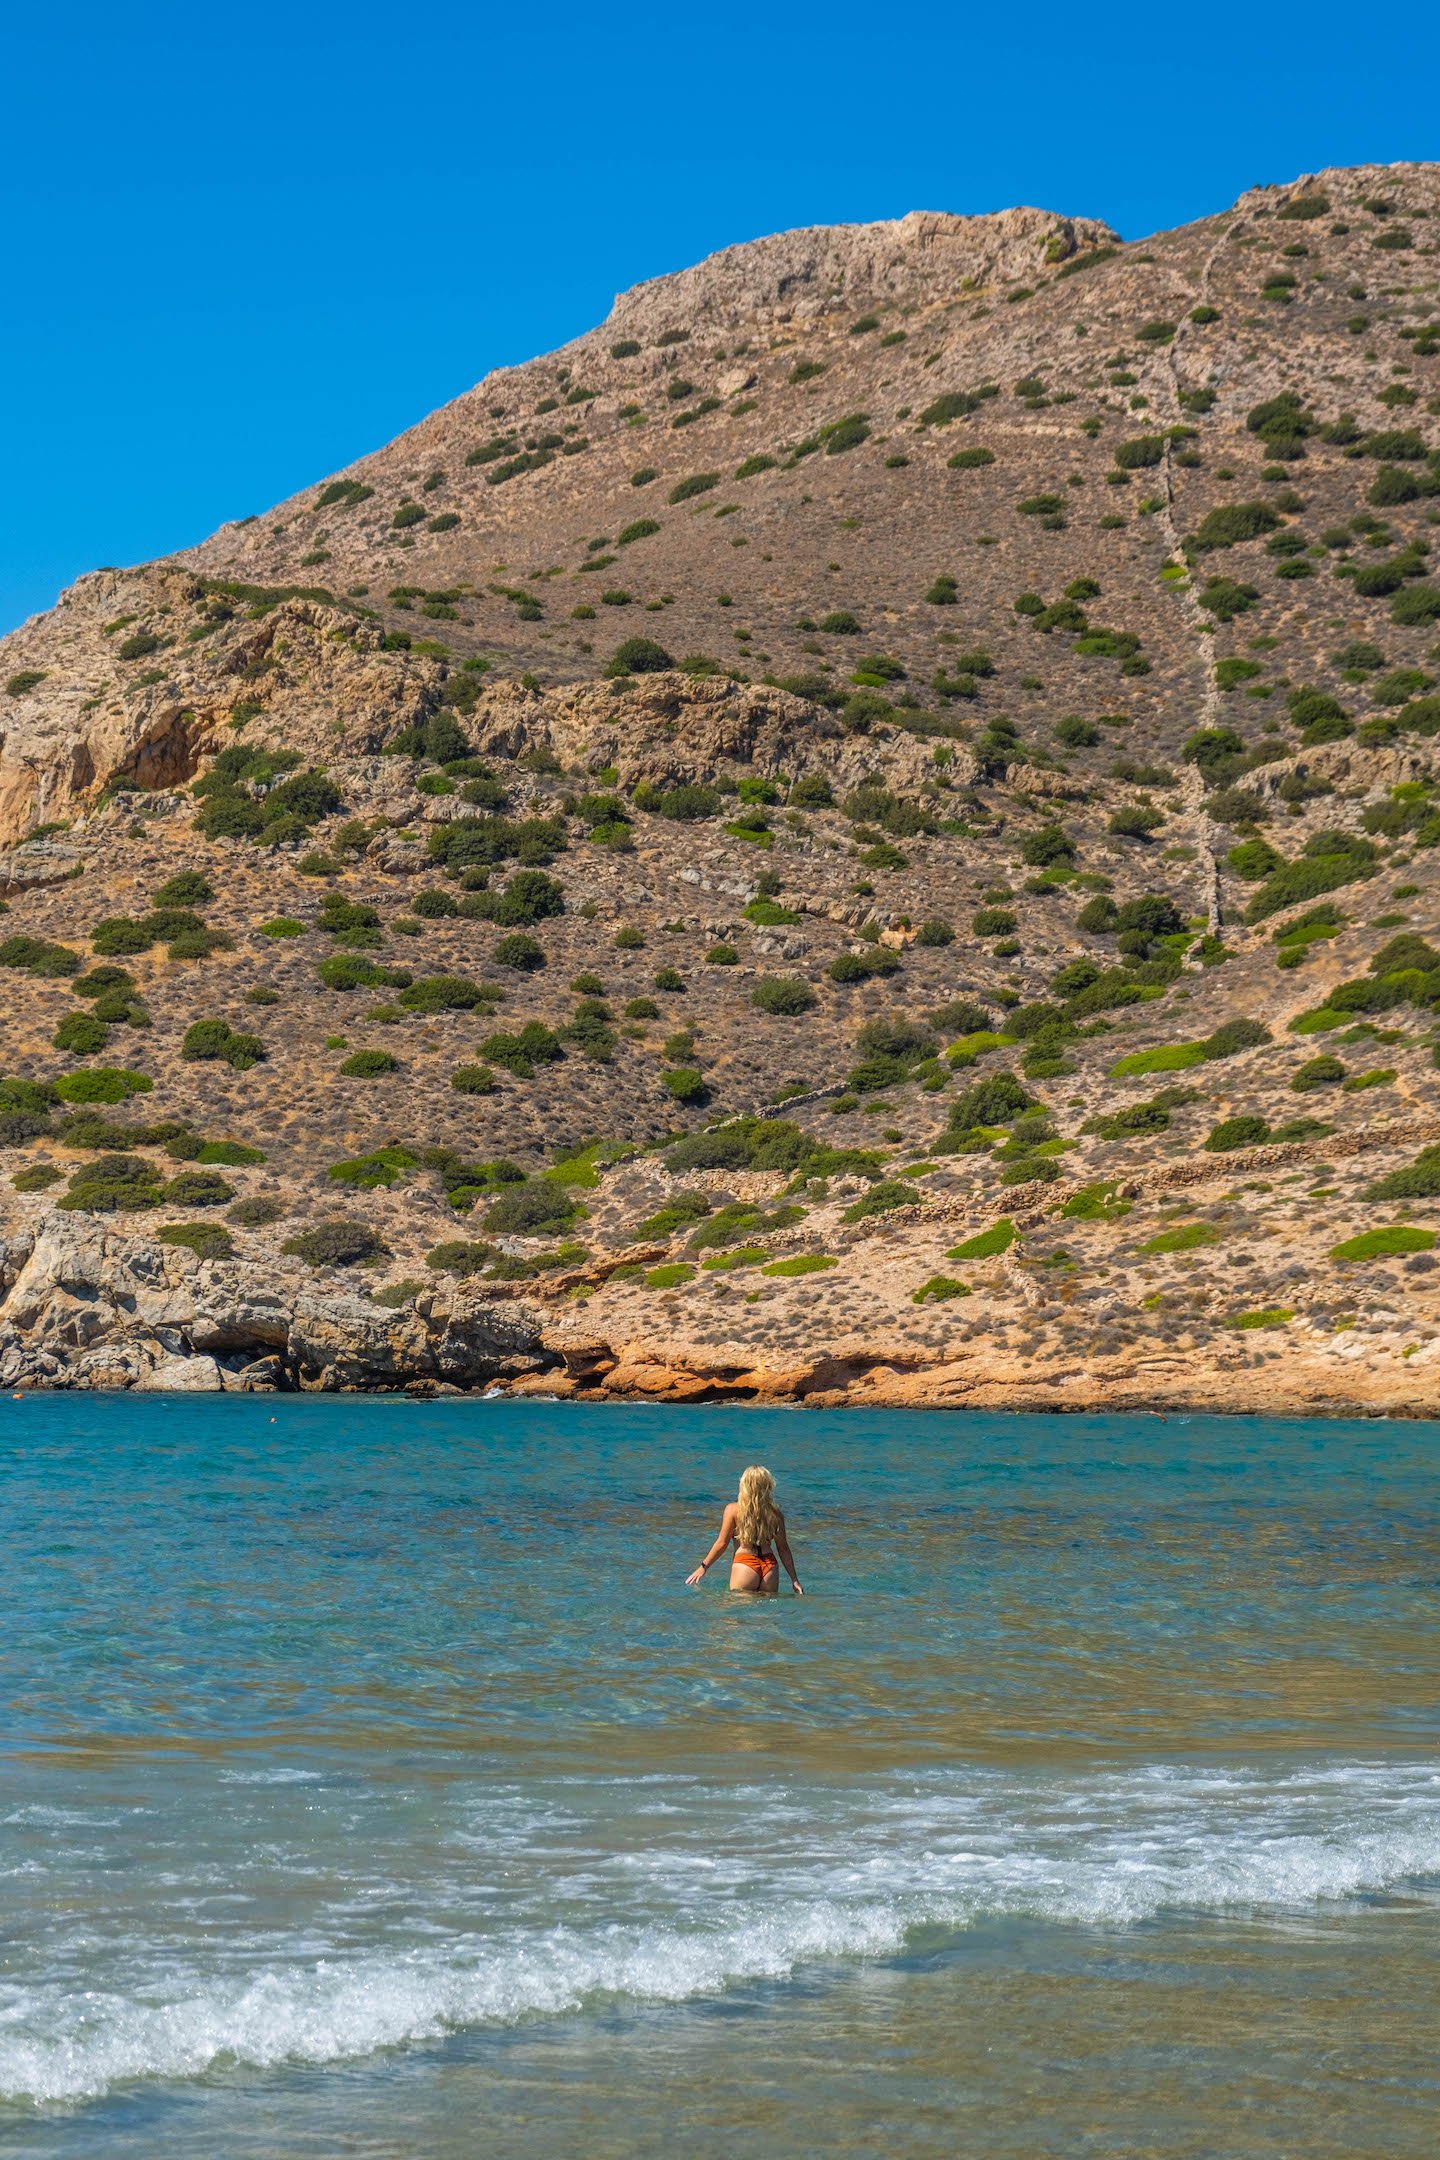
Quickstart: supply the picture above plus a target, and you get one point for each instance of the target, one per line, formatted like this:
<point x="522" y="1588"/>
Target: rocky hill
<point x="867" y="831"/>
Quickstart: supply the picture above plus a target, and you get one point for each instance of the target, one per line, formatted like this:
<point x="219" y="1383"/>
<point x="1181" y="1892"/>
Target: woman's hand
<point x="795" y="1585"/>
<point x="691" y="1580"/>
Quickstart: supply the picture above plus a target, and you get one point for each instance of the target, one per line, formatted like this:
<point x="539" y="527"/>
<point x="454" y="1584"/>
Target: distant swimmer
<point x="756" y="1524"/>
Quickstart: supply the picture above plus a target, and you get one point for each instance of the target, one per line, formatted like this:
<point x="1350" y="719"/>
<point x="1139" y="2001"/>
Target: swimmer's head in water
<point x="758" y="1521"/>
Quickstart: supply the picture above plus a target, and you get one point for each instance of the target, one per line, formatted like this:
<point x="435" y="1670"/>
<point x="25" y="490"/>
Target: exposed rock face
<point x="796" y="277"/>
<point x="88" y="1306"/>
<point x="63" y="745"/>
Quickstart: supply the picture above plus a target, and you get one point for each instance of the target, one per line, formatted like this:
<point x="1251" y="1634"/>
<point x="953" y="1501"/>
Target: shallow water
<point x="369" y="1783"/>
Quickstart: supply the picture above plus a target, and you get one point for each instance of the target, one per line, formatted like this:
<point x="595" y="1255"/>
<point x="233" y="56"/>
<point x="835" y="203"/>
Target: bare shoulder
<point x="732" y="1509"/>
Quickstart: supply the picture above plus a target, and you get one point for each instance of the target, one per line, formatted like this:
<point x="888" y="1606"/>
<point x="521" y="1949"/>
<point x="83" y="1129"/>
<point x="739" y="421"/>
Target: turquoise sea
<point x="370" y="1785"/>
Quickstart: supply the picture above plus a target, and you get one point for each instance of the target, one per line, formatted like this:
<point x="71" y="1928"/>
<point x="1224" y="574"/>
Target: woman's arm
<point x="727" y="1531"/>
<point x="782" y="1546"/>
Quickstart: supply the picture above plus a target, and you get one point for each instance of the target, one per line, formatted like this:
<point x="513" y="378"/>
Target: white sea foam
<point x="818" y="1876"/>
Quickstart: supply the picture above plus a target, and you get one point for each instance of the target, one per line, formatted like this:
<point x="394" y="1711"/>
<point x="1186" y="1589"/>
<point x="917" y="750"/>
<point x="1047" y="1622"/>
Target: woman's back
<point x="756" y="1527"/>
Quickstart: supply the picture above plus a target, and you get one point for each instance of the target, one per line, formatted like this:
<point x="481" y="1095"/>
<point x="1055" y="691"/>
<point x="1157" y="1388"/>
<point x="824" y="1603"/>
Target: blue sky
<point x="247" y="246"/>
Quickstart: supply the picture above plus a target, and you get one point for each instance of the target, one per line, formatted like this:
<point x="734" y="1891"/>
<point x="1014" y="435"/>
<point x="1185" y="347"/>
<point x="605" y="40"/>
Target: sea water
<point x="371" y="1784"/>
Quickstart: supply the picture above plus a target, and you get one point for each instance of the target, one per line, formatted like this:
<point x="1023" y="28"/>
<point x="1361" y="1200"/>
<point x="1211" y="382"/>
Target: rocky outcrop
<point x="795" y="276"/>
<point x="91" y="724"/>
<point x="89" y="1306"/>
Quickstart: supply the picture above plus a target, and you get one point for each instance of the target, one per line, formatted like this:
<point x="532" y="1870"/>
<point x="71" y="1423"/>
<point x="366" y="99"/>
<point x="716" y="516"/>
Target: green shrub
<point x="1358" y="1083"/>
<point x="938" y="1290"/>
<point x="1237" y="1132"/>
<point x="1050" y="845"/>
<point x="1386" y="1244"/>
<point x="1135" y="821"/>
<point x="934" y="933"/>
<point x="231" y="817"/>
<point x="1233" y="1036"/>
<point x="231" y="1152"/>
<point x="473" y="1080"/>
<point x="38" y="956"/>
<point x="39" y="1178"/>
<point x="369" y="1065"/>
<point x="1185" y="1237"/>
<point x="952" y="405"/>
<point x="1417" y="607"/>
<point x="995" y="1100"/>
<point x="102" y="1083"/>
<point x="198" y="1188"/>
<point x="459" y="1257"/>
<point x="384" y="1166"/>
<point x="256" y="1212"/>
<point x="846" y="434"/>
<point x="853" y="967"/>
<point x="1253" y="860"/>
<point x="342" y="494"/>
<point x="679" y="1212"/>
<point x="691" y="800"/>
<point x="638" y="656"/>
<point x="187" y="889"/>
<point x="520" y="1053"/>
<point x="336" y="1242"/>
<point x="216" y="1039"/>
<point x="103" y="982"/>
<point x="1330" y="861"/>
<point x="801" y="1264"/>
<point x="784" y="995"/>
<point x="1165" y="1057"/>
<point x="1225" y="598"/>
<point x="521" y="952"/>
<point x="445" y="993"/>
<point x="112" y="1184"/>
<point x="527" y="1210"/>
<point x="1419" y="1180"/>
<point x="1317" y="1072"/>
<point x="1272" y="1316"/>
<point x="1096" y="1203"/>
<point x="1301" y="208"/>
<point x="79" y="1033"/>
<point x="685" y="1085"/>
<point x="986" y="1244"/>
<point x="696" y="484"/>
<point x="199" y="944"/>
<point x="1230" y="524"/>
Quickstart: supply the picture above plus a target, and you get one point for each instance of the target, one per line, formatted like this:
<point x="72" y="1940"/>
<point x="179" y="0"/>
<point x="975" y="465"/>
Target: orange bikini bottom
<point x="764" y="1564"/>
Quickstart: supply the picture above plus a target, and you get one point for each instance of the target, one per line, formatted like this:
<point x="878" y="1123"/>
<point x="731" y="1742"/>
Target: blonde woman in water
<point x="756" y="1524"/>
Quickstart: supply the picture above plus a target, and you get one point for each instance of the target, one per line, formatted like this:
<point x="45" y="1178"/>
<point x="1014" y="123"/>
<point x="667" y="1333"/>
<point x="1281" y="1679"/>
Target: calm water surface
<point x="370" y="1785"/>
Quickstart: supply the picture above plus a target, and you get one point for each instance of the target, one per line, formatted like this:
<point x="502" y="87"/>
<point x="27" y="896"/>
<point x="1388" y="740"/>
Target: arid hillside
<point x="867" y="831"/>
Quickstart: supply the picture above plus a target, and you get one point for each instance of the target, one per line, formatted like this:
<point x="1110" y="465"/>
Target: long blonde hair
<point x="757" y="1523"/>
